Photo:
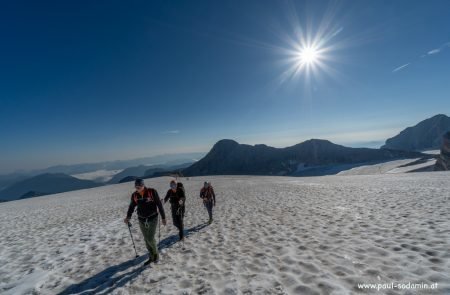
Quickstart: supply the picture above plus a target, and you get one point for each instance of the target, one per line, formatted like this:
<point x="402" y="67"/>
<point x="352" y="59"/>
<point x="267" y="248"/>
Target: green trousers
<point x="148" y="231"/>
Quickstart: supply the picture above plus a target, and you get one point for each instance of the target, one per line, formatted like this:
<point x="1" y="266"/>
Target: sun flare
<point x="308" y="55"/>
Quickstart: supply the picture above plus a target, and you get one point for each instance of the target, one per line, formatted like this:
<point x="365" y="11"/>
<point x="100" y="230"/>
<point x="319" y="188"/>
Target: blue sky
<point x="84" y="81"/>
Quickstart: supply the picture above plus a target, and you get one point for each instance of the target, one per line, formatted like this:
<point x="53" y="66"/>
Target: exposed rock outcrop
<point x="443" y="162"/>
<point x="426" y="135"/>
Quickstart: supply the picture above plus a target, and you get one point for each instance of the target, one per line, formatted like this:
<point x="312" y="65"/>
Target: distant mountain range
<point x="312" y="157"/>
<point x="228" y="157"/>
<point x="160" y="160"/>
<point x="8" y="179"/>
<point x="166" y="160"/>
<point x="44" y="184"/>
<point x="50" y="183"/>
<point x="142" y="171"/>
<point x="426" y="135"/>
<point x="136" y="171"/>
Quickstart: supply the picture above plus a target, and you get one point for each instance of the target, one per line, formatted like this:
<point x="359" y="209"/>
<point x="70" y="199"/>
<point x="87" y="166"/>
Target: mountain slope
<point x="425" y="135"/>
<point x="172" y="170"/>
<point x="227" y="157"/>
<point x="9" y="179"/>
<point x="45" y="184"/>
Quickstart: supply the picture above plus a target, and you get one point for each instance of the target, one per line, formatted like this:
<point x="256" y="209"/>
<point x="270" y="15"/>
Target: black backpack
<point x="180" y="185"/>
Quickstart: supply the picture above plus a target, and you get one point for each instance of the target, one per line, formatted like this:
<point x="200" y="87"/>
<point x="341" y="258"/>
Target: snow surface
<point x="432" y="152"/>
<point x="390" y="167"/>
<point x="271" y="235"/>
<point x="99" y="175"/>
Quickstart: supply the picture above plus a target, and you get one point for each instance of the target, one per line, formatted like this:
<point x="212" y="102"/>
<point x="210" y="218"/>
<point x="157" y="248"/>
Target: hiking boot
<point x="210" y="221"/>
<point x="151" y="259"/>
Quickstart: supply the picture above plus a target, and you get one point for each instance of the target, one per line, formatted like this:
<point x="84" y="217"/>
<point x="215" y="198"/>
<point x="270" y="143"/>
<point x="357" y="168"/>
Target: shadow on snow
<point x="105" y="281"/>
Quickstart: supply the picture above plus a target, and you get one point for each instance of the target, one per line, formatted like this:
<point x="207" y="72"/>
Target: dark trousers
<point x="177" y="219"/>
<point x="209" y="208"/>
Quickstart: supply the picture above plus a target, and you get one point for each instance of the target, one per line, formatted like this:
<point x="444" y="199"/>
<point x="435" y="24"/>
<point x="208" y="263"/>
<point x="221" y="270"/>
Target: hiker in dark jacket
<point x="209" y="199"/>
<point x="148" y="204"/>
<point x="177" y="199"/>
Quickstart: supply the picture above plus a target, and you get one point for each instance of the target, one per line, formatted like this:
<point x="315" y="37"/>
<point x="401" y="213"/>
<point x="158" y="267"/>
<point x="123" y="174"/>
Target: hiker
<point x="209" y="199"/>
<point x="177" y="198"/>
<point x="148" y="205"/>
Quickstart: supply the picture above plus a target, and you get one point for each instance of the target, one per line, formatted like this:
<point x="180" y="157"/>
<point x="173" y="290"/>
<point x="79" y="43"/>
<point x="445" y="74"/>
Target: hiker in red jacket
<point x="148" y="204"/>
<point x="209" y="199"/>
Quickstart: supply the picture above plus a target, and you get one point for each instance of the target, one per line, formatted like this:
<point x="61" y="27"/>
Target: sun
<point x="308" y="55"/>
<point x="308" y="59"/>
<point x="311" y="53"/>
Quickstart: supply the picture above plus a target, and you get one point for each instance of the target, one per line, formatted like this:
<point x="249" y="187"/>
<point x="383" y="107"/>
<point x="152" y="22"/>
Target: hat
<point x="139" y="182"/>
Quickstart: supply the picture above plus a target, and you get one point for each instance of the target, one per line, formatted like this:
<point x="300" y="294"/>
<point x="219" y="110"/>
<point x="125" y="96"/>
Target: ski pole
<point x="134" y="246"/>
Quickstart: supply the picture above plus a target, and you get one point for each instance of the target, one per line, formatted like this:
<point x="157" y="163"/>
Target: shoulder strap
<point x="207" y="192"/>
<point x="150" y="194"/>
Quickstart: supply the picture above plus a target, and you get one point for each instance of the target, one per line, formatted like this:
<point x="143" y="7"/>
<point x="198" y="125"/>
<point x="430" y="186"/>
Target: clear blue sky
<point x="84" y="81"/>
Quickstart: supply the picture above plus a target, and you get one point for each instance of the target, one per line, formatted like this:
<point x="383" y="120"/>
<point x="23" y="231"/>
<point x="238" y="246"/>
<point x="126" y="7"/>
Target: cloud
<point x="437" y="50"/>
<point x="431" y="52"/>
<point x="171" y="132"/>
<point x="400" y="67"/>
<point x="434" y="51"/>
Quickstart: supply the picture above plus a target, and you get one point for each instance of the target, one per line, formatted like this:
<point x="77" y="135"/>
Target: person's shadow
<point x="170" y="241"/>
<point x="104" y="282"/>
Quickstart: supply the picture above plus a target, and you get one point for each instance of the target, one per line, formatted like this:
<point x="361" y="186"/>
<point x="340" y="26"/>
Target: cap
<point x="139" y="182"/>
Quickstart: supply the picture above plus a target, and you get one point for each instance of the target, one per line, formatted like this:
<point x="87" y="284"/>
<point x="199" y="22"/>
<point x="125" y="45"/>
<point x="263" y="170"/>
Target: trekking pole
<point x="159" y="229"/>
<point x="129" y="228"/>
<point x="182" y="223"/>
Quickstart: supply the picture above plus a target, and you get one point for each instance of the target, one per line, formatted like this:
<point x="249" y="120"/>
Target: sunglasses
<point x="139" y="186"/>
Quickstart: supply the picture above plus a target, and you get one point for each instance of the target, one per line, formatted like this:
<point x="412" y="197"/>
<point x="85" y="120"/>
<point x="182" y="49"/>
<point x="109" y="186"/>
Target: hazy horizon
<point x="339" y="138"/>
<point x="367" y="144"/>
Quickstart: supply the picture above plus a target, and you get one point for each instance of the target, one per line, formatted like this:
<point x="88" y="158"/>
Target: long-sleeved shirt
<point x="147" y="205"/>
<point x="208" y="194"/>
<point x="175" y="197"/>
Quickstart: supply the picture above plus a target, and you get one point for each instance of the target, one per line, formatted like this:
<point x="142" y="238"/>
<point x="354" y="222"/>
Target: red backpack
<point x="149" y="196"/>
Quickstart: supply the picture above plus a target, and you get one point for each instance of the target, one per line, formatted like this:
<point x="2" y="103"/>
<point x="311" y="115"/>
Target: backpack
<point x="149" y="196"/>
<point x="182" y="208"/>
<point x="208" y="193"/>
<point x="180" y="186"/>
